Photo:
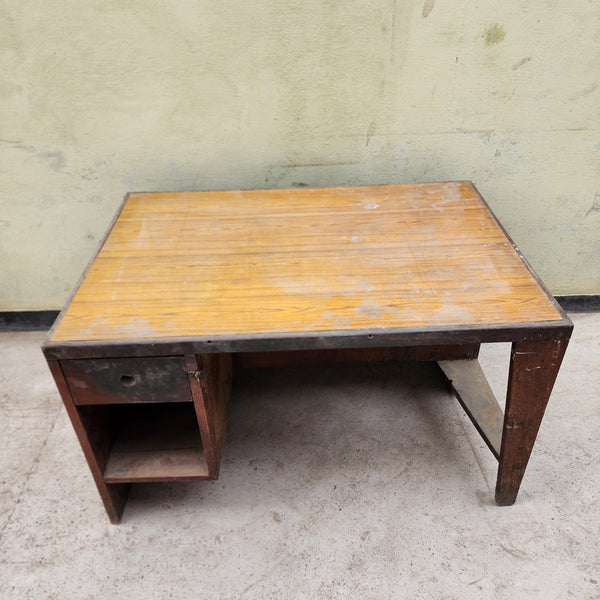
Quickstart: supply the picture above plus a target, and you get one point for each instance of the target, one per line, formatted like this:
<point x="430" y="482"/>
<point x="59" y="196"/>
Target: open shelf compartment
<point x="155" y="442"/>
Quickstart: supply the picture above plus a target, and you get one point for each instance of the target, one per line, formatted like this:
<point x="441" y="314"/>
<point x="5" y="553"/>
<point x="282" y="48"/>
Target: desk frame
<point x="537" y="352"/>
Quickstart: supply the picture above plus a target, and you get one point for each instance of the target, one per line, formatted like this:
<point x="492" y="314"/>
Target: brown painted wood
<point x="254" y="360"/>
<point x="210" y="380"/>
<point x="476" y="397"/>
<point x="310" y="260"/>
<point x="533" y="370"/>
<point x="156" y="443"/>
<point x="216" y="388"/>
<point x="127" y="380"/>
<point x="194" y="368"/>
<point x="94" y="438"/>
<point x="480" y="334"/>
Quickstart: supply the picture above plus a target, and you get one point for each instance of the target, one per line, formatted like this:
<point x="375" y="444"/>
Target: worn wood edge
<point x="43" y="320"/>
<point x="118" y="480"/>
<point x="134" y="466"/>
<point x="370" y="338"/>
<point x="472" y="390"/>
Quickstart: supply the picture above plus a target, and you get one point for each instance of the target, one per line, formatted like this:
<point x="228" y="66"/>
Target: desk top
<point x="303" y="261"/>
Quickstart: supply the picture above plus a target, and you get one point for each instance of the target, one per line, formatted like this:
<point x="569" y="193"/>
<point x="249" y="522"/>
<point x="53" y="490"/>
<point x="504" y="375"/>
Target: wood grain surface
<point x="303" y="260"/>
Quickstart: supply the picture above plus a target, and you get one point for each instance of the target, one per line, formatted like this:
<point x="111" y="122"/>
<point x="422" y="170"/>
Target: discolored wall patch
<point x="494" y="34"/>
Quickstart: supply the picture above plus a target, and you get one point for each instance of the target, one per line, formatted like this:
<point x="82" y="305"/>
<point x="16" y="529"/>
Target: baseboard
<point x="36" y="320"/>
<point x="27" y="320"/>
<point x="581" y="303"/>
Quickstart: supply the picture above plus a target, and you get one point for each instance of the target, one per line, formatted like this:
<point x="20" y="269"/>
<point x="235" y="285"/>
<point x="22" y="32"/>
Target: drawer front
<point x="127" y="380"/>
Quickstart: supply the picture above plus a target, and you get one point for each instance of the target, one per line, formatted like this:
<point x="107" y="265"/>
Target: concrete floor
<point x="336" y="482"/>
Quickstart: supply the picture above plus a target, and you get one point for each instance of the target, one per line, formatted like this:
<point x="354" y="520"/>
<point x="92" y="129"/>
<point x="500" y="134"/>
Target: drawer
<point x="127" y="380"/>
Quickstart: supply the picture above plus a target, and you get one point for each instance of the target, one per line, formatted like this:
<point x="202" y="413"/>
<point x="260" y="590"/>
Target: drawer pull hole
<point x="127" y="380"/>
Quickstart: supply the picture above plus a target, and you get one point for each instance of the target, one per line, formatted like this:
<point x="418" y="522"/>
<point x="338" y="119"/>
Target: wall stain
<point x="588" y="90"/>
<point x="370" y="132"/>
<point x="18" y="144"/>
<point x="595" y="205"/>
<point x="494" y="34"/>
<point x="522" y="62"/>
<point x="427" y="8"/>
<point x="56" y="160"/>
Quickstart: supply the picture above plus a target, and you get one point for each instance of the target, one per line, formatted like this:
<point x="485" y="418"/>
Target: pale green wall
<point x="98" y="98"/>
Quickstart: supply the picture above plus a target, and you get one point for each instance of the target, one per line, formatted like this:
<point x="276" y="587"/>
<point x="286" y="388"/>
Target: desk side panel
<point x="94" y="438"/>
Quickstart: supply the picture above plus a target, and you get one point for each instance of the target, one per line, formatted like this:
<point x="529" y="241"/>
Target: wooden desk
<point x="188" y="284"/>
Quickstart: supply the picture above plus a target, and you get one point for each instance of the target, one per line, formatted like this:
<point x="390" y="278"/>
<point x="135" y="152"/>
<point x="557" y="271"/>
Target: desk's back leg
<point x="533" y="370"/>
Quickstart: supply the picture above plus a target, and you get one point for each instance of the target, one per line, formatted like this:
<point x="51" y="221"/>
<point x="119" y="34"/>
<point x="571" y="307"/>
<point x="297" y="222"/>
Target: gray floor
<point x="336" y="482"/>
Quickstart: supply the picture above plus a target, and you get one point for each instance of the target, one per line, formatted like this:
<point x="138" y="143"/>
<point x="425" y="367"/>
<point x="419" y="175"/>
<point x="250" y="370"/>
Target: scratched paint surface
<point x="232" y="263"/>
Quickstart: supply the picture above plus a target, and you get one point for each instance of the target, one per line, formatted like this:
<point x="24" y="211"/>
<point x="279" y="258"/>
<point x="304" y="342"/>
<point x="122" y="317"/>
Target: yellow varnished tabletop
<point x="303" y="260"/>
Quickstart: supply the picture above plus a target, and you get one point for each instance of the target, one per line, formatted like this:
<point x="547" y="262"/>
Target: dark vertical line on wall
<point x="393" y="33"/>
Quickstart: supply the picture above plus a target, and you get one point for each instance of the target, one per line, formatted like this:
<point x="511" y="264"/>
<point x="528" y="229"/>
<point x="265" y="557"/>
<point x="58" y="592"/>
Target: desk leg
<point x="210" y="380"/>
<point x="533" y="370"/>
<point x="91" y="430"/>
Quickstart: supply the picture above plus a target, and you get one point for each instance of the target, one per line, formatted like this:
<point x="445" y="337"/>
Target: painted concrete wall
<point x="98" y="98"/>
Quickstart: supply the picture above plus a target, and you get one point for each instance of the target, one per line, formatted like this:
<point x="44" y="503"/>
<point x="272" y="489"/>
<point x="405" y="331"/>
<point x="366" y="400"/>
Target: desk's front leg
<point x="533" y="370"/>
<point x="210" y="380"/>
